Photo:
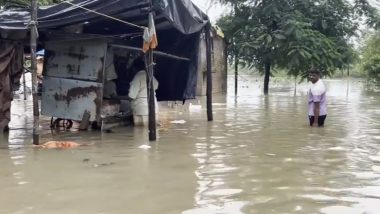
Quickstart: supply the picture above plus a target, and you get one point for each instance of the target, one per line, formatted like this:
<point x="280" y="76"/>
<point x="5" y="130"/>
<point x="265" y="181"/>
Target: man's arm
<point x="316" y="113"/>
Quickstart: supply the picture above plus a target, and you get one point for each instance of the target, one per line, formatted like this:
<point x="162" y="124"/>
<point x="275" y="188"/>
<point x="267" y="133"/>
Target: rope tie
<point x="33" y="24"/>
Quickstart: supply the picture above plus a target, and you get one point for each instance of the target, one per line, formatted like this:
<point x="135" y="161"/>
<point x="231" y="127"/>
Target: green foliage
<point x="372" y="67"/>
<point x="25" y="3"/>
<point x="370" y="13"/>
<point x="293" y="35"/>
<point x="371" y="56"/>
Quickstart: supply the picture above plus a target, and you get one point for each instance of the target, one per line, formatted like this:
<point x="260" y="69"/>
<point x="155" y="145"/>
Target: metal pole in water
<point x="33" y="58"/>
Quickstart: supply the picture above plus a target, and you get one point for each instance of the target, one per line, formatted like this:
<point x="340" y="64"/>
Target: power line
<point x="107" y="16"/>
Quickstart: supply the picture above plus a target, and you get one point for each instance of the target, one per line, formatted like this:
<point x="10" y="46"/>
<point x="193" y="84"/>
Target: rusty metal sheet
<point x="82" y="60"/>
<point x="69" y="99"/>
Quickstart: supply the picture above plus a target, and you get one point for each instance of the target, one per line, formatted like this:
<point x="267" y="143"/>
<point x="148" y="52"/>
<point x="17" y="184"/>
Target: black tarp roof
<point x="178" y="22"/>
<point x="180" y="14"/>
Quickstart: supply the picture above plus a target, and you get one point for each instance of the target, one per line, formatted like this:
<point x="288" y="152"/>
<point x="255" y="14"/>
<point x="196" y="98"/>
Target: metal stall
<point x="74" y="78"/>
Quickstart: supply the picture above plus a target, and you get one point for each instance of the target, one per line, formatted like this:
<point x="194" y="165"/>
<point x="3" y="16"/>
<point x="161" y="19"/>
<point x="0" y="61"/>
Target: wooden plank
<point x="158" y="53"/>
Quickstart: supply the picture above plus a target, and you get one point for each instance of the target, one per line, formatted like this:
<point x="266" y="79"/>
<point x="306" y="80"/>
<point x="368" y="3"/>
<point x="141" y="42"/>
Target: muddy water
<point x="258" y="156"/>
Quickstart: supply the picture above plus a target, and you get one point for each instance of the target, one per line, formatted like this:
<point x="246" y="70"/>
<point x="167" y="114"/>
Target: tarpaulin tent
<point x="179" y="24"/>
<point x="180" y="14"/>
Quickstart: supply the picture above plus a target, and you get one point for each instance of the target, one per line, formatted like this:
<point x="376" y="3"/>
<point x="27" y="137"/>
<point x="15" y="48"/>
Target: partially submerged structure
<point x="89" y="43"/>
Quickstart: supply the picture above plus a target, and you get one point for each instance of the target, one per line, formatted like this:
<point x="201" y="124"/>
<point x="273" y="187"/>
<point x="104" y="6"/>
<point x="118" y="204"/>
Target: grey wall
<point x="219" y="66"/>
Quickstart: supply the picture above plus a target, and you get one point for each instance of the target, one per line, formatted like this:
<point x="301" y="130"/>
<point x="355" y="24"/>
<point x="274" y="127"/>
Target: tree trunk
<point x="266" y="78"/>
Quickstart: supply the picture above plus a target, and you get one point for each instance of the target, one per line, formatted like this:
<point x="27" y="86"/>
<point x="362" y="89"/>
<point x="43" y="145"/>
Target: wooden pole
<point x="33" y="58"/>
<point x="236" y="74"/>
<point x="151" y="91"/>
<point x="209" y="73"/>
<point x="267" y="68"/>
<point x="151" y="96"/>
<point x="158" y="53"/>
<point x="348" y="81"/>
<point x="23" y="80"/>
<point x="295" y="85"/>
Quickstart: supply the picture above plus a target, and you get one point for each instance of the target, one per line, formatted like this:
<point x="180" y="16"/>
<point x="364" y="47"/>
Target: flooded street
<point x="258" y="156"/>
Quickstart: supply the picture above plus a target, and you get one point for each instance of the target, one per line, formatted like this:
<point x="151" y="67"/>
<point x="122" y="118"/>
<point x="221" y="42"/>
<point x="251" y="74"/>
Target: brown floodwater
<point x="258" y="156"/>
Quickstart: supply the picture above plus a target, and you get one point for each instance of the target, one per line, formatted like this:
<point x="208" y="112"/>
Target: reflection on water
<point x="258" y="156"/>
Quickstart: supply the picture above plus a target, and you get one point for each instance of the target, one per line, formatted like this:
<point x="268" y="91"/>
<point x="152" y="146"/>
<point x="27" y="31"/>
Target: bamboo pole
<point x="209" y="73"/>
<point x="33" y="57"/>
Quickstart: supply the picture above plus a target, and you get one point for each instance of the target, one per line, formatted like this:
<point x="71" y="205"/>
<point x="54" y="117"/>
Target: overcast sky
<point x="217" y="10"/>
<point x="214" y="13"/>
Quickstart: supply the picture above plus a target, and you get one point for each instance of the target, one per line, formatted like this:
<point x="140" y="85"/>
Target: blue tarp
<point x="41" y="53"/>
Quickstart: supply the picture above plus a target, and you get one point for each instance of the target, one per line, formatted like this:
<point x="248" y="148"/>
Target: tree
<point x="25" y="3"/>
<point x="293" y="35"/>
<point x="371" y="56"/>
<point x="370" y="13"/>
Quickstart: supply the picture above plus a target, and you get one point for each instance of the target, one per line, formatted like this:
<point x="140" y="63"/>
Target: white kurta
<point x="138" y="92"/>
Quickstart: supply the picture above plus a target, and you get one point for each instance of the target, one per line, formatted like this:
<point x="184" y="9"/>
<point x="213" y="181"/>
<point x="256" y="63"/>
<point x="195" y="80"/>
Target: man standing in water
<point x="317" y="99"/>
<point x="138" y="93"/>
